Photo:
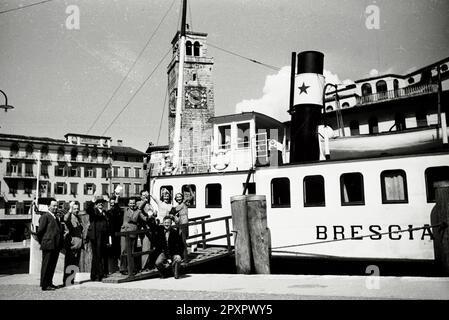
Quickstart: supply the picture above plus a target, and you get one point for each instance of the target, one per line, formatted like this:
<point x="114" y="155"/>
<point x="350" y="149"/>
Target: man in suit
<point x="50" y="237"/>
<point x="171" y="247"/>
<point x="98" y="235"/>
<point x="115" y="217"/>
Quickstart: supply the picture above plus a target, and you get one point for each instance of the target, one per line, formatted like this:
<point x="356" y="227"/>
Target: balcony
<point x="20" y="175"/>
<point x="411" y="91"/>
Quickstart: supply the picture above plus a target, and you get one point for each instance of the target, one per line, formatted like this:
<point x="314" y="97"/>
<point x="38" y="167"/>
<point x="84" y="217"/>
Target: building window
<point x="196" y="49"/>
<point x="394" y="186"/>
<point x="314" y="191"/>
<point x="73" y="154"/>
<point x="14" y="150"/>
<point x="126" y="172"/>
<point x="189" y="192"/>
<point x="351" y="189"/>
<point x="432" y="175"/>
<point x="381" y="88"/>
<point x="251" y="187"/>
<point x="225" y="137"/>
<point x="13" y="186"/>
<point x="396" y="87"/>
<point x="280" y="193"/>
<point x="136" y="172"/>
<point x="354" y="127"/>
<point x="89" y="189"/>
<point x="90" y="172"/>
<point x="213" y="195"/>
<point x="105" y="189"/>
<point x="115" y="171"/>
<point x="421" y="118"/>
<point x="29" y="170"/>
<point x="116" y="185"/>
<point x="28" y="186"/>
<point x="373" y="125"/>
<point x="73" y="189"/>
<point x="60" y="171"/>
<point x="14" y="168"/>
<point x="104" y="172"/>
<point x="11" y="208"/>
<point x="27" y="207"/>
<point x="94" y="156"/>
<point x="61" y="153"/>
<point x="243" y="135"/>
<point x="168" y="189"/>
<point x="60" y="188"/>
<point x="44" y="151"/>
<point x="127" y="190"/>
<point x="188" y="48"/>
<point x="74" y="172"/>
<point x="44" y="170"/>
<point x="105" y="156"/>
<point x="137" y="189"/>
<point x="29" y="149"/>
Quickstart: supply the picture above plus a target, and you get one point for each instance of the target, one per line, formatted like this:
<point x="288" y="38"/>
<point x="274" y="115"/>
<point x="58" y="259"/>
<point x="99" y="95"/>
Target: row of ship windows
<point x="352" y="192"/>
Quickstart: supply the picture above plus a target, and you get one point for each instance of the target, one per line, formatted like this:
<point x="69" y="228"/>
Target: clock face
<point x="196" y="98"/>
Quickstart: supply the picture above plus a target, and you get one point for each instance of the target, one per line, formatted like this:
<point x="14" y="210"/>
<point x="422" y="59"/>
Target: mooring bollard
<point x="440" y="215"/>
<point x="259" y="233"/>
<point x="242" y="242"/>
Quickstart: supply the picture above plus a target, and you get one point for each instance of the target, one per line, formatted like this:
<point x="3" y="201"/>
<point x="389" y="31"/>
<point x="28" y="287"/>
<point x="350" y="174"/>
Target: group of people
<point x="163" y="240"/>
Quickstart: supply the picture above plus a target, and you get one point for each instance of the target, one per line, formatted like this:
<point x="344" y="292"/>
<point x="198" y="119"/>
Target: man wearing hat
<point x="98" y="235"/>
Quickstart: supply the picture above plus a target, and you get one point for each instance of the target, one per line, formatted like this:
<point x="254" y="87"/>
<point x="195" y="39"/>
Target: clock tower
<point x="197" y="100"/>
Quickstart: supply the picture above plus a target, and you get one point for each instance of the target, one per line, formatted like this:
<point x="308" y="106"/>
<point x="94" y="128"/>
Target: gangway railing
<point x="202" y="220"/>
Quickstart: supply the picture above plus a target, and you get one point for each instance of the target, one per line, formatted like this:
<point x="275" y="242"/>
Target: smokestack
<point x="119" y="143"/>
<point x="305" y="112"/>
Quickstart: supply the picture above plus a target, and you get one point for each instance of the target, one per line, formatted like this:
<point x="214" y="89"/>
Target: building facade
<point x="128" y="172"/>
<point x="72" y="169"/>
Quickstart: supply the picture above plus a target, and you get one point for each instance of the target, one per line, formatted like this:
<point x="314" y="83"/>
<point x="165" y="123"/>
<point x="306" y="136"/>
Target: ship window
<point x="280" y="193"/>
<point x="394" y="186"/>
<point x="165" y="189"/>
<point x="354" y="126"/>
<point x="421" y="118"/>
<point x="225" y="137"/>
<point x="366" y="89"/>
<point x="189" y="192"/>
<point x="188" y="48"/>
<point x="329" y="109"/>
<point x="351" y="189"/>
<point x="243" y="135"/>
<point x="213" y="195"/>
<point x="345" y="105"/>
<point x="435" y="174"/>
<point x="314" y="191"/>
<point x="444" y="67"/>
<point x="373" y="125"/>
<point x="251" y="188"/>
<point x="411" y="80"/>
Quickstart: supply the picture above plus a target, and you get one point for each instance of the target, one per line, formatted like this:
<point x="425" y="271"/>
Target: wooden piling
<point x="259" y="233"/>
<point x="440" y="215"/>
<point x="242" y="244"/>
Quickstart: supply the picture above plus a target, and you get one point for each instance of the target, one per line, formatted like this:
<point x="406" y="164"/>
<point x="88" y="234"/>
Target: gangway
<point x="204" y="253"/>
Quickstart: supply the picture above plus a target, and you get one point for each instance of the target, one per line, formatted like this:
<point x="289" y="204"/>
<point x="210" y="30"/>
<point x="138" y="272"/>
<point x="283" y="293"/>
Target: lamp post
<point x="5" y="106"/>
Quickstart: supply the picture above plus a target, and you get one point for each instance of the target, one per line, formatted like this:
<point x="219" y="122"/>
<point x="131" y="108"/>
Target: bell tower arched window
<point x="188" y="48"/>
<point x="196" y="49"/>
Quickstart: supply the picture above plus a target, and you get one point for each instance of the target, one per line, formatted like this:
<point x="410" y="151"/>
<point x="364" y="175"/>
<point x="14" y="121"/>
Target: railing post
<point x="129" y="255"/>
<point x="228" y="239"/>
<point x="203" y="231"/>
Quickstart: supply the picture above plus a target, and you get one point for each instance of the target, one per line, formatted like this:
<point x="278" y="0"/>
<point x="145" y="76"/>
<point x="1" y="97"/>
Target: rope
<point x="442" y="224"/>
<point x="26" y="6"/>
<point x="162" y="117"/>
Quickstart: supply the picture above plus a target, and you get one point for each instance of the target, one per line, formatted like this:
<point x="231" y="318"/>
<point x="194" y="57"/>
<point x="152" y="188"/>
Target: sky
<point x="59" y="79"/>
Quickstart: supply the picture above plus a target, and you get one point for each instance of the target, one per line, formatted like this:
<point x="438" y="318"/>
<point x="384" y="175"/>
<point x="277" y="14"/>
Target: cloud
<point x="276" y="95"/>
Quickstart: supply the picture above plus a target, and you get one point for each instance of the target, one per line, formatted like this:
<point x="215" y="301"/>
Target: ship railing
<point x="397" y="94"/>
<point x="202" y="221"/>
